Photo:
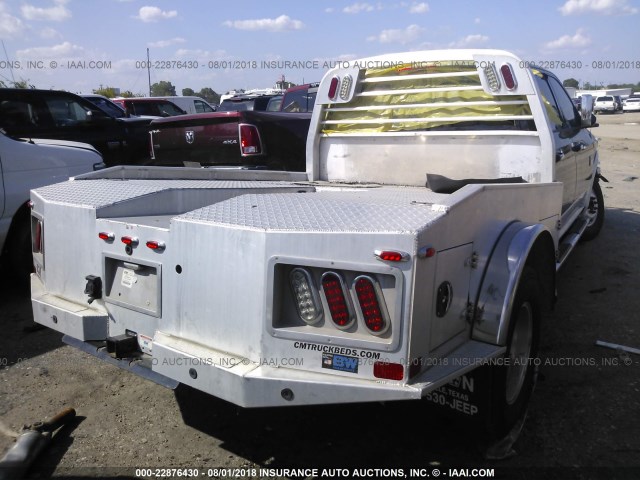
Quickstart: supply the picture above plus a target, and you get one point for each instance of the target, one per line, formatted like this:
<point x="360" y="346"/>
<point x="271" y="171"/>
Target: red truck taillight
<point x="370" y="305"/>
<point x="250" y="142"/>
<point x="37" y="244"/>
<point x="337" y="300"/>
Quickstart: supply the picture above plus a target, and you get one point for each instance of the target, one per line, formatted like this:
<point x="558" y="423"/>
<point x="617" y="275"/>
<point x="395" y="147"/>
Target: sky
<point x="81" y="45"/>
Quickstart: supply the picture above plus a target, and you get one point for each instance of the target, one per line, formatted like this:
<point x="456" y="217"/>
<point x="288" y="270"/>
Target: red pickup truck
<point x="242" y="133"/>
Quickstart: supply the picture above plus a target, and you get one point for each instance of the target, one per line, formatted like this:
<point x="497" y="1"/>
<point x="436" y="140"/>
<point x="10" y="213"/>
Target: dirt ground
<point x="583" y="422"/>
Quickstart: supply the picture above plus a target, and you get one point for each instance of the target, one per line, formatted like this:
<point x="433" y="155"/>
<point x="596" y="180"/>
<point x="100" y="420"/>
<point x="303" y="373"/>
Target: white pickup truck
<point x="27" y="164"/>
<point x="352" y="281"/>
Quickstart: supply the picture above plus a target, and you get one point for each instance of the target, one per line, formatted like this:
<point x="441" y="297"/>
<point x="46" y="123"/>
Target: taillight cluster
<point x="340" y="88"/>
<point x="250" y="142"/>
<point x="365" y="292"/>
<point x="506" y="73"/>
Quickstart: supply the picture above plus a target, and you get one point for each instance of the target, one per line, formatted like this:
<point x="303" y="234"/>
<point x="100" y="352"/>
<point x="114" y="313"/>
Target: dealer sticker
<point x="128" y="278"/>
<point x="340" y="362"/>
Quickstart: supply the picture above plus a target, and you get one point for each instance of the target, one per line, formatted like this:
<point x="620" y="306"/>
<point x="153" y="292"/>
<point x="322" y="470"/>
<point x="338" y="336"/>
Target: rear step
<point x="570" y="240"/>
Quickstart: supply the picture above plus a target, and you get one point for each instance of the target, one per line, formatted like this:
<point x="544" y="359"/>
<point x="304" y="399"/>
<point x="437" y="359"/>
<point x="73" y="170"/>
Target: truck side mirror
<point x="587" y="119"/>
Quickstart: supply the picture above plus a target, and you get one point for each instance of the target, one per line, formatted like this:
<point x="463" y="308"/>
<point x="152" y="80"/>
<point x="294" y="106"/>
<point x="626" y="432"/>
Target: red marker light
<point x="133" y="241"/>
<point x="391" y="255"/>
<point x="155" y="245"/>
<point x="106" y="236"/>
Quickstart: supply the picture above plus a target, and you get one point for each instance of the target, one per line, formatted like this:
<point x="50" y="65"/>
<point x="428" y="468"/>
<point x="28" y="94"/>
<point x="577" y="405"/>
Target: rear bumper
<point x="242" y="381"/>
<point x="73" y="319"/>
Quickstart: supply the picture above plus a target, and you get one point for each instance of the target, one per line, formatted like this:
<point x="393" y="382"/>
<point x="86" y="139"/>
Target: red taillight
<point x="155" y="245"/>
<point x="390" y="371"/>
<point x="106" y="236"/>
<point x="370" y="307"/>
<point x="391" y="255"/>
<point x="335" y="294"/>
<point x="333" y="87"/>
<point x="508" y="76"/>
<point x="133" y="241"/>
<point x="36" y="246"/>
<point x="249" y="140"/>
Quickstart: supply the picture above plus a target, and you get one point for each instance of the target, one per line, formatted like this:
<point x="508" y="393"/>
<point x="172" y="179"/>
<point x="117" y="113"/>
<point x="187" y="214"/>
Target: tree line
<point x="163" y="89"/>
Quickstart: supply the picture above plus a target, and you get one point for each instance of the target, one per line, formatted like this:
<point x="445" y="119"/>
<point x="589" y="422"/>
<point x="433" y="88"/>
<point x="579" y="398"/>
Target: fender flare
<point x="518" y="245"/>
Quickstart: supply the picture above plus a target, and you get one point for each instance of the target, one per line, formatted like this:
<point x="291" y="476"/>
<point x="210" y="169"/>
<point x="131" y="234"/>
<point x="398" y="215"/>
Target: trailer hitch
<point x="30" y="443"/>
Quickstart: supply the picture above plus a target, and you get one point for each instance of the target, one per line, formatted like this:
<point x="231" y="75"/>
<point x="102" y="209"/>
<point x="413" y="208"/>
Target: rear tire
<point x="595" y="210"/>
<point x="513" y="382"/>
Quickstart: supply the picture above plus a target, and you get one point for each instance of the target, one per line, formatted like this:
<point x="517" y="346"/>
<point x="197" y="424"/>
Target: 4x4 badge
<point x="189" y="136"/>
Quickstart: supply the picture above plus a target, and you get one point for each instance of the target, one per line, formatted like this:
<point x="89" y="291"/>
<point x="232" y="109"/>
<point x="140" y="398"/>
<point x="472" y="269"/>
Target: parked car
<point x="53" y="114"/>
<point x="619" y="103"/>
<point x="25" y="165"/>
<point x="300" y="98"/>
<point x="149" y="107"/>
<point x="605" y="103"/>
<point x="107" y="105"/>
<point x="190" y="104"/>
<point x="246" y="102"/>
<point x="631" y="104"/>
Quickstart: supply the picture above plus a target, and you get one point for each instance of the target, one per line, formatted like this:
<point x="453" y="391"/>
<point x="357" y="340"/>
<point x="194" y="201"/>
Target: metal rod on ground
<point x="615" y="346"/>
<point x="21" y="455"/>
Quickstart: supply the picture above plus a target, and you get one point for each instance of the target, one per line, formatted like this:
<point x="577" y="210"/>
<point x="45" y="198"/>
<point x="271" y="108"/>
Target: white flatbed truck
<point x="352" y="281"/>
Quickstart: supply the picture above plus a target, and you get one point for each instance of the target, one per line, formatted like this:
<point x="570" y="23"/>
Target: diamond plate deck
<point x="101" y="193"/>
<point x="389" y="210"/>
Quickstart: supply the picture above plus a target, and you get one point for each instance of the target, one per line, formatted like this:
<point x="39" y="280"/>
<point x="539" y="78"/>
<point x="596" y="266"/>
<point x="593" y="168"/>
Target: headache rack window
<point x="439" y="96"/>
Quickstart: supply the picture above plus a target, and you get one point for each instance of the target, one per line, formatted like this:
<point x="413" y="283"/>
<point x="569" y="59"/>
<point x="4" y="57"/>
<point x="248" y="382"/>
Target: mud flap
<point x="467" y="397"/>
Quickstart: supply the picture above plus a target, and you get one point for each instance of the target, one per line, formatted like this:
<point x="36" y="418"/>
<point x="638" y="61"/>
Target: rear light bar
<point x="337" y="299"/>
<point x="250" y="141"/>
<point x="371" y="304"/>
<point x="305" y="296"/>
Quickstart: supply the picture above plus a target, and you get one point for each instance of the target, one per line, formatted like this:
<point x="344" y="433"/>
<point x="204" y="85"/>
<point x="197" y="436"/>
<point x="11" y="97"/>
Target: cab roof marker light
<point x="106" y="236"/>
<point x="345" y="87"/>
<point x="492" y="77"/>
<point x="156" y="245"/>
<point x="391" y="256"/>
<point x="371" y="303"/>
<point x="508" y="76"/>
<point x="133" y="241"/>
<point x="333" y="87"/>
<point x="335" y="293"/>
<point x="305" y="296"/>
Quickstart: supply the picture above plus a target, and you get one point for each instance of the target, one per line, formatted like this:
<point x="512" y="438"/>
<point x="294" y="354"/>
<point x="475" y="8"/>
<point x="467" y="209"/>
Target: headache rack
<point x="430" y="97"/>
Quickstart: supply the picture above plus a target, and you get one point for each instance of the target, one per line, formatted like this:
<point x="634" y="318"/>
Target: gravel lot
<point x="583" y="423"/>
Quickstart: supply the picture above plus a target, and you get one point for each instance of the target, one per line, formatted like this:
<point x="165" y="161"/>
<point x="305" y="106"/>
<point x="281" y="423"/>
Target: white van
<point x="191" y="104"/>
